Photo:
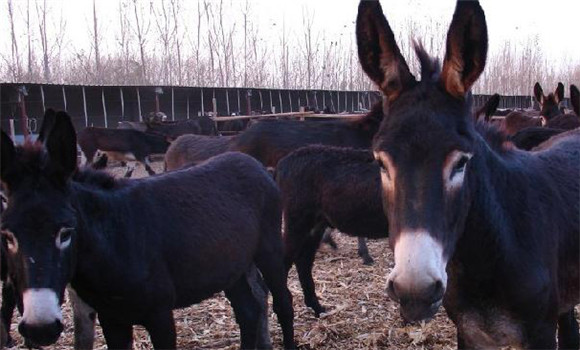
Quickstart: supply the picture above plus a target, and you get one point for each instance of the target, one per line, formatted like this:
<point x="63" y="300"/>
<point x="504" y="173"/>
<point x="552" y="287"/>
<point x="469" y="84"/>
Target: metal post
<point x="122" y="103"/>
<point x="249" y="102"/>
<point x="139" y="105"/>
<point x="228" y="102"/>
<point x="172" y="105"/>
<point x="23" y="116"/>
<point x="104" y="108"/>
<point x="85" y="107"/>
<point x="280" y="98"/>
<point x="64" y="97"/>
<point x="42" y="96"/>
<point x="202" y="107"/>
<point x="187" y="106"/>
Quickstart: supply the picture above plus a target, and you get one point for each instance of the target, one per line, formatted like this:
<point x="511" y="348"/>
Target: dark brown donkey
<point x="571" y="120"/>
<point x="122" y="145"/>
<point x="549" y="108"/>
<point x="490" y="232"/>
<point x="193" y="149"/>
<point x="134" y="250"/>
<point x="324" y="187"/>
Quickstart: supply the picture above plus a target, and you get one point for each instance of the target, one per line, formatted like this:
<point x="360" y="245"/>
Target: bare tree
<point x="16" y="70"/>
<point x="142" y="26"/>
<point x="41" y="11"/>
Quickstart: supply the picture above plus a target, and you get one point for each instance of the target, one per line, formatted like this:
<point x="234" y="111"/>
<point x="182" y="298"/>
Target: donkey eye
<point x="459" y="167"/>
<point x="11" y="241"/>
<point x="63" y="237"/>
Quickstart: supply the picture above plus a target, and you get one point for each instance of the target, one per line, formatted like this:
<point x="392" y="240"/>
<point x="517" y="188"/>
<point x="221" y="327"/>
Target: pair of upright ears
<point x="57" y="134"/>
<point x="381" y="59"/>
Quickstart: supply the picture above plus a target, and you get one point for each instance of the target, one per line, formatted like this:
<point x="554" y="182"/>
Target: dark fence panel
<point x="131" y="102"/>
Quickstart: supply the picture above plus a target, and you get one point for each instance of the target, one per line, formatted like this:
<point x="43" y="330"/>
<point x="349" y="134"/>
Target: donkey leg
<point x="247" y="310"/>
<point x="260" y="291"/>
<point x="147" y="164"/>
<point x="272" y="267"/>
<point x="327" y="239"/>
<point x="84" y="322"/>
<point x="118" y="335"/>
<point x="161" y="328"/>
<point x="7" y="310"/>
<point x="568" y="337"/>
<point x="542" y="335"/>
<point x="363" y="251"/>
<point x="304" y="264"/>
<point x="129" y="171"/>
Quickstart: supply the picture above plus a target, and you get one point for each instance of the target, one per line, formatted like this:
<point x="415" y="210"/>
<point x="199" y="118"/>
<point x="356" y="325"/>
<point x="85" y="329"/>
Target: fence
<point x="105" y="106"/>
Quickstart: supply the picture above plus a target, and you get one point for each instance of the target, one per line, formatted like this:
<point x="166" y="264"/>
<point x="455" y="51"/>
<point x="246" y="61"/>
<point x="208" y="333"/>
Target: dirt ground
<point x="360" y="314"/>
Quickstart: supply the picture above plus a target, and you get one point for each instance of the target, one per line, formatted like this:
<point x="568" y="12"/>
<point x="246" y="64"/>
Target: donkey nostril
<point x="391" y="290"/>
<point x="438" y="290"/>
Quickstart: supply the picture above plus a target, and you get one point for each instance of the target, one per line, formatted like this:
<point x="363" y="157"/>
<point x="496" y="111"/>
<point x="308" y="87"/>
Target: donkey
<point x="490" y="232"/>
<point x="270" y="140"/>
<point x="531" y="137"/>
<point x="173" y="129"/>
<point x="122" y="145"/>
<point x="322" y="187"/>
<point x="571" y="120"/>
<point x="549" y="108"/>
<point x="193" y="149"/>
<point x="136" y="250"/>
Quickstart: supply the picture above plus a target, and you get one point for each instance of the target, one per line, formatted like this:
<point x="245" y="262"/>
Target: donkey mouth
<point x="414" y="311"/>
<point x="41" y="336"/>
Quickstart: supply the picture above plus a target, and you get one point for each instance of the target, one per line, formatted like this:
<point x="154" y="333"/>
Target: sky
<point x="553" y="24"/>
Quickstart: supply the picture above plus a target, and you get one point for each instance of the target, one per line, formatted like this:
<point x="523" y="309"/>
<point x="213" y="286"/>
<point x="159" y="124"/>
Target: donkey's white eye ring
<point x="63" y="238"/>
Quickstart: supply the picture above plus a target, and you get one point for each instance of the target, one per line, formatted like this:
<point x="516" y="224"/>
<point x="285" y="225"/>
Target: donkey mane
<point x="97" y="178"/>
<point x="374" y="116"/>
<point x="34" y="159"/>
<point x="493" y="135"/>
<point x="430" y="66"/>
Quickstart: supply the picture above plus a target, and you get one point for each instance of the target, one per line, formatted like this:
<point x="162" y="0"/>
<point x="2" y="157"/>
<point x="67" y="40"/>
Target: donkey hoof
<point x="368" y="261"/>
<point x="318" y="310"/>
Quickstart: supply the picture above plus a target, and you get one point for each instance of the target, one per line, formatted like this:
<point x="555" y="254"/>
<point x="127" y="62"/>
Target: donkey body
<point x="490" y="232"/>
<point x="324" y="187"/>
<point x="122" y="145"/>
<point x="130" y="263"/>
<point x="192" y="149"/>
<point x="271" y="140"/>
<point x="173" y="129"/>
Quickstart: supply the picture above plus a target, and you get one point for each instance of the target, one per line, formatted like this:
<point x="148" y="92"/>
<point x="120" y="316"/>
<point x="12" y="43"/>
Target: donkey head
<point x="550" y="105"/>
<point x="39" y="222"/>
<point x="424" y="146"/>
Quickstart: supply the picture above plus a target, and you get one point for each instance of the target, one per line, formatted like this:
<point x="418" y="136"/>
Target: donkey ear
<point x="47" y="124"/>
<point x="489" y="108"/>
<point x="575" y="99"/>
<point x="61" y="144"/>
<point x="466" y="49"/>
<point x="538" y="93"/>
<point x="559" y="93"/>
<point x="378" y="52"/>
<point x="7" y="155"/>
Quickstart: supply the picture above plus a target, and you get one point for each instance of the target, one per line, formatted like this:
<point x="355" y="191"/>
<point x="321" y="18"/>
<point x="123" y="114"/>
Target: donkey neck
<point x="108" y="250"/>
<point x="500" y="224"/>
